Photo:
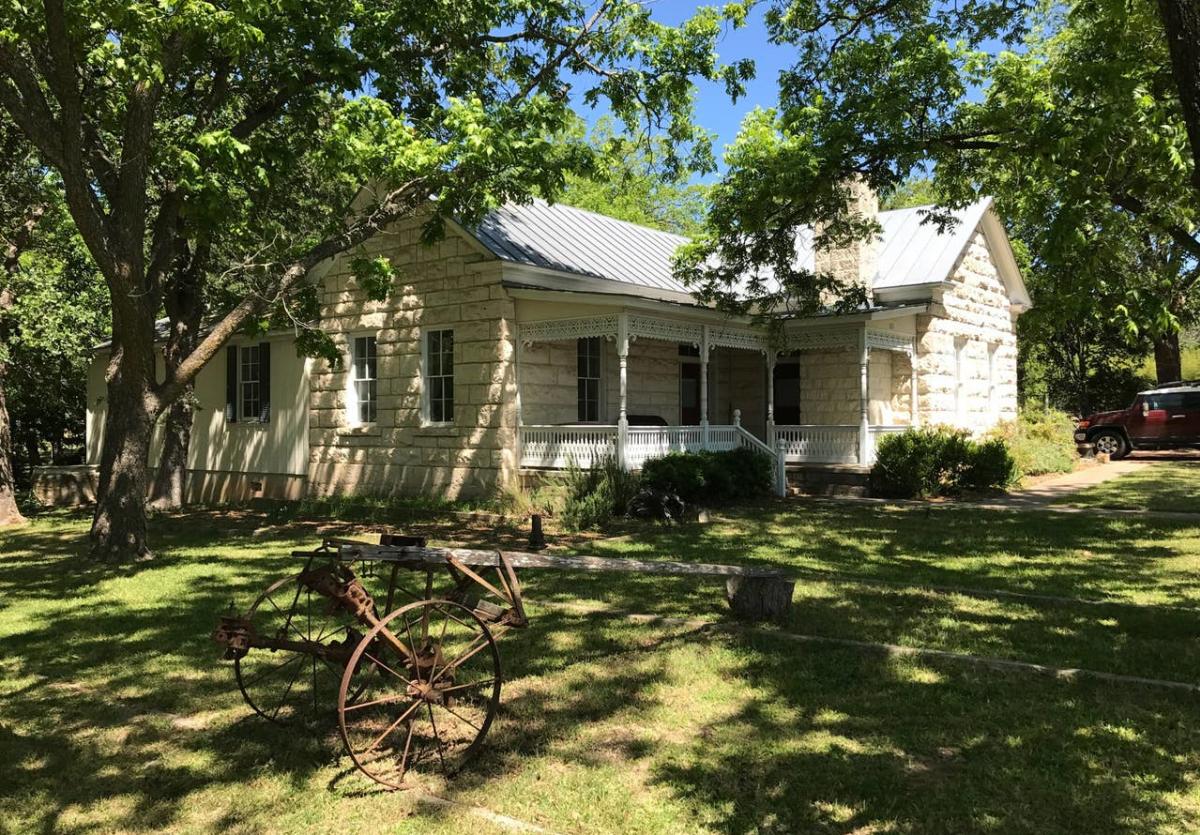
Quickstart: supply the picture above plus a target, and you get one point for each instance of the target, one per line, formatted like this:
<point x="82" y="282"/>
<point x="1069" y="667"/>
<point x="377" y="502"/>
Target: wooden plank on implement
<point x="754" y="593"/>
<point x="352" y="550"/>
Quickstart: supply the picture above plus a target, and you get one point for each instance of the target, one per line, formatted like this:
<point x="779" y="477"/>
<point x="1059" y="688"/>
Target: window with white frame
<point x="961" y="372"/>
<point x="439" y="376"/>
<point x="250" y="383"/>
<point x="993" y="381"/>
<point x="588" y="394"/>
<point x="362" y="402"/>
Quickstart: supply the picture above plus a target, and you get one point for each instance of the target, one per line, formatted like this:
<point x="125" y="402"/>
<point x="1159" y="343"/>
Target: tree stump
<point x="760" y="598"/>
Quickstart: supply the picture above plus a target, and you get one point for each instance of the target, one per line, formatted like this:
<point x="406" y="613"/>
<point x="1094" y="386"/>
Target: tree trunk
<point x="170" y="479"/>
<point x="19" y="242"/>
<point x="1168" y="364"/>
<point x="1181" y="19"/>
<point x="119" y="525"/>
<point x="184" y="301"/>
<point x="9" y="513"/>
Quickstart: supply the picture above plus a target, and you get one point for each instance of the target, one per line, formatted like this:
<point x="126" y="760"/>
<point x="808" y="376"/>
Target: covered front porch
<point x="636" y="385"/>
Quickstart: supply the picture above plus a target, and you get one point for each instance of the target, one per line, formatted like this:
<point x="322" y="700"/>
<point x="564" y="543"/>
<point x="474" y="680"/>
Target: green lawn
<point x="1164" y="486"/>
<point x="115" y="714"/>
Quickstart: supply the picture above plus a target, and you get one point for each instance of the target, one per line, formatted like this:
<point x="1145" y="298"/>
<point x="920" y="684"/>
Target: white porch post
<point x="517" y="397"/>
<point x="771" y="397"/>
<point x="914" y="418"/>
<point x="623" y="363"/>
<point x="864" y="393"/>
<point x="704" y="386"/>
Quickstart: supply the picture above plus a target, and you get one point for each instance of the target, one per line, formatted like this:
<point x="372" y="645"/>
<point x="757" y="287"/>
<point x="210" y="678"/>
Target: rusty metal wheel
<point x="284" y="685"/>
<point x="422" y="711"/>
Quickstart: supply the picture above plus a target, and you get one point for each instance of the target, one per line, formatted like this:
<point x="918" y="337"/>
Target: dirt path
<point x="1049" y="490"/>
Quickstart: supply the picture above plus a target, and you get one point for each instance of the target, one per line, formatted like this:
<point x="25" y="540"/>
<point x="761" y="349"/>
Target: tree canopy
<point x="1079" y="133"/>
<point x="260" y="139"/>
<point x="629" y="182"/>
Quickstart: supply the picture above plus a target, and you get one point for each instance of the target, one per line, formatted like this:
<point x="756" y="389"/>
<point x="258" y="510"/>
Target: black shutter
<point x="264" y="381"/>
<point x="231" y="387"/>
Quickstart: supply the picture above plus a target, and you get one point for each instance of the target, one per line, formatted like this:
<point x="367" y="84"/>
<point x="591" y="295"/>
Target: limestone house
<point x="551" y="334"/>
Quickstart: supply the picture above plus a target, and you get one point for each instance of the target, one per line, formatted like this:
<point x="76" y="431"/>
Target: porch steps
<point x="828" y="479"/>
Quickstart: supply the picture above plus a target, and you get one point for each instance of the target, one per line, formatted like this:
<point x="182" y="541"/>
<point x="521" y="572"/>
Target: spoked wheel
<point x="424" y="713"/>
<point x="286" y="685"/>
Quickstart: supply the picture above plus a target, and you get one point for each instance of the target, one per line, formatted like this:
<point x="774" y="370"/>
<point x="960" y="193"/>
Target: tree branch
<point x="396" y="204"/>
<point x="1184" y="238"/>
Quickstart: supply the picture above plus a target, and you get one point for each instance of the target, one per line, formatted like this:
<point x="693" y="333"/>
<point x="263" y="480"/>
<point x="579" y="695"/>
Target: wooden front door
<point x="689" y="394"/>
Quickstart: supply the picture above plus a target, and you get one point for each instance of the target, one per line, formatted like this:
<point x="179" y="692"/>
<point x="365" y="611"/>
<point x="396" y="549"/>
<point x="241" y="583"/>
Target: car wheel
<point x="1111" y="442"/>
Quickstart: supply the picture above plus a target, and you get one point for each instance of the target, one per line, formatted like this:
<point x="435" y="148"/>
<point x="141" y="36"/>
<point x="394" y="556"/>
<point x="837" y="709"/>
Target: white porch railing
<point x="818" y="444"/>
<point x="557" y="447"/>
<point x="828" y="444"/>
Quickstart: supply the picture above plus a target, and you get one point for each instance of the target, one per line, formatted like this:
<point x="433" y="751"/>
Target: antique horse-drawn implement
<point x="415" y="687"/>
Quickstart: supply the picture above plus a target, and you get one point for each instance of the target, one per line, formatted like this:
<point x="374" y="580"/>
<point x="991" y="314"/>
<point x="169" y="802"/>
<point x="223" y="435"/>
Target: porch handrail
<point x="778" y="459"/>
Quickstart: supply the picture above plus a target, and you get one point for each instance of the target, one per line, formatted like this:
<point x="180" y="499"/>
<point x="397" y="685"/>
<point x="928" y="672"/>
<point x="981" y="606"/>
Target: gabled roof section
<point x="576" y="242"/>
<point x="570" y="240"/>
<point x="913" y="252"/>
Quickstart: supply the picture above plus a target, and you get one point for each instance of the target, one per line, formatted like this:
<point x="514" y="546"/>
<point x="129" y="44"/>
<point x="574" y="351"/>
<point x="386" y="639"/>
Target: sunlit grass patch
<point x="118" y="716"/>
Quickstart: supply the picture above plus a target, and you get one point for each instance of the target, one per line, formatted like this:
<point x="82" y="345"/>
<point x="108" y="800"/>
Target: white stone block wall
<point x="448" y="284"/>
<point x="880" y="407"/>
<point x="958" y="384"/>
<point x="829" y="387"/>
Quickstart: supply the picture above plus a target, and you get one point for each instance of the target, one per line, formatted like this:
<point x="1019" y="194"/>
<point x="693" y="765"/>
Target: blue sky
<point x="714" y="111"/>
<point x="713" y="108"/>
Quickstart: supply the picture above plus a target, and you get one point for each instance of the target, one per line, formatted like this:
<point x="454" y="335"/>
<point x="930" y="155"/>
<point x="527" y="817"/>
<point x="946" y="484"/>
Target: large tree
<point x="23" y="199"/>
<point x="1085" y="123"/>
<point x="176" y="127"/>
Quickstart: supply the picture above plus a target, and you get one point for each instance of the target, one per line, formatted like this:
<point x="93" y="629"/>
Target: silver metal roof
<point x="912" y="252"/>
<point x="570" y="240"/>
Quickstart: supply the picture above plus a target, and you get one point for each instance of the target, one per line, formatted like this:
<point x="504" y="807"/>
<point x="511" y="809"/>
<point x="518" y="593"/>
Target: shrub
<point x="1041" y="440"/>
<point x="597" y="494"/>
<point x="710" y="477"/>
<point x="749" y="470"/>
<point x="989" y="465"/>
<point x="650" y="503"/>
<point x="684" y="474"/>
<point x="939" y="461"/>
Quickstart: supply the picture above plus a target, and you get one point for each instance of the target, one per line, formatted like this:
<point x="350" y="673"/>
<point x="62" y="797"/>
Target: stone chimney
<point x="857" y="262"/>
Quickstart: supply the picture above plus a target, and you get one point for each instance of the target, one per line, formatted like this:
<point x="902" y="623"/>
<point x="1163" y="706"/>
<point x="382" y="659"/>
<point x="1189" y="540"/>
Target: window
<point x="960" y="379"/>
<point x="363" y="380"/>
<point x="993" y="386"/>
<point x="1164" y="402"/>
<point x="248" y="383"/>
<point x="439" y="376"/>
<point x="588" y="397"/>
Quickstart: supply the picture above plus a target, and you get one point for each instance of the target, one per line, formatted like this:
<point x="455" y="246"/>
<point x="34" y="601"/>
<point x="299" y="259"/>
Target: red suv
<point x="1167" y="417"/>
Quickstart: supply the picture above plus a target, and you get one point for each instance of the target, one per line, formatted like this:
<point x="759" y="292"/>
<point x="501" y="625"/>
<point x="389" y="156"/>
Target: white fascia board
<point x="630" y="302"/>
<point x="877" y="315"/>
<point x="1006" y="262"/>
<point x="912" y="293"/>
